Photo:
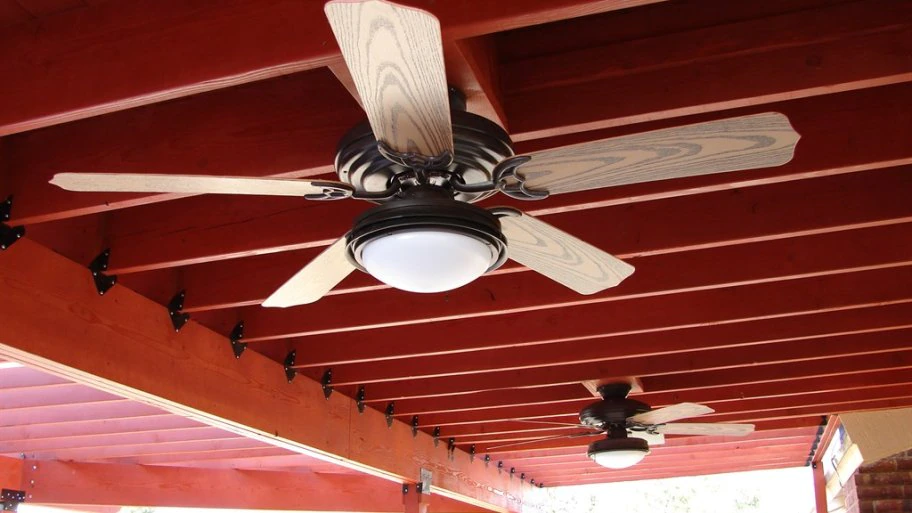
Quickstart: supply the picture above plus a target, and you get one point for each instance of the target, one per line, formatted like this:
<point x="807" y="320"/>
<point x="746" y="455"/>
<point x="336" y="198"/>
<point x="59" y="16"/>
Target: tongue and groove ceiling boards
<point x="774" y="296"/>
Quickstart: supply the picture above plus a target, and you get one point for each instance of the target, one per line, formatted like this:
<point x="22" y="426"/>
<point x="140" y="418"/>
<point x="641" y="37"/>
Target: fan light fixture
<point x="618" y="453"/>
<point x="426" y="260"/>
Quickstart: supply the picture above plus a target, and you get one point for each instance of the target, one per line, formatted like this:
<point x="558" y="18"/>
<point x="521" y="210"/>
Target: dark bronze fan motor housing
<point x="614" y="408"/>
<point x="479" y="145"/>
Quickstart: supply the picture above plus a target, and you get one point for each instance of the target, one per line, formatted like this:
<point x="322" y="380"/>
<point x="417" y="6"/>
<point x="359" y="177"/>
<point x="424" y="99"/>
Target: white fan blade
<point x="735" y="144"/>
<point x="671" y="413"/>
<point x="395" y="56"/>
<point x="316" y="278"/>
<point x="689" y="428"/>
<point x="201" y="184"/>
<point x="560" y="256"/>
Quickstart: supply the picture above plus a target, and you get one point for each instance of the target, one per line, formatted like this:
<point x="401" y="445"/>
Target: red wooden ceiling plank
<point x="794" y="55"/>
<point x="636" y="316"/>
<point x="793" y="258"/>
<point x="56" y="482"/>
<point x="151" y="436"/>
<point x="133" y="46"/>
<point x="685" y="456"/>
<point x="44" y="308"/>
<point x="724" y="411"/>
<point x="869" y="145"/>
<point x="769" y="380"/>
<point x="736" y="357"/>
<point x="472" y="67"/>
<point x="48" y="395"/>
<point x="869" y="382"/>
<point x="482" y="405"/>
<point x="93" y="427"/>
<point x="288" y="126"/>
<point x="203" y="458"/>
<point x="274" y="460"/>
<point x="15" y="377"/>
<point x="63" y="413"/>
<point x="104" y="452"/>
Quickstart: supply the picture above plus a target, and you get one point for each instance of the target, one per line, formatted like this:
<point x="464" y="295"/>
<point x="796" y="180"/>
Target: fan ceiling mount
<point x="424" y="160"/>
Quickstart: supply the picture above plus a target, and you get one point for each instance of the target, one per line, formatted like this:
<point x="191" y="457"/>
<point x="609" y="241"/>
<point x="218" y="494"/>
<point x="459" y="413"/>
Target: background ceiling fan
<point x="629" y="425"/>
<point x="425" y="160"/>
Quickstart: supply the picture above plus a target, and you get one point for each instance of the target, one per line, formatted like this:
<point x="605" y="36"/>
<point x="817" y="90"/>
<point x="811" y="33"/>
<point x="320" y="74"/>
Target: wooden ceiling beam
<point x="819" y="206"/>
<point x="572" y="352"/>
<point x="607" y="477"/>
<point x="128" y="341"/>
<point x="754" y="407"/>
<point x="797" y="349"/>
<point x="864" y="143"/>
<point x="288" y="126"/>
<point x="806" y="386"/>
<point x="133" y="46"/>
<point x="805" y="53"/>
<point x="601" y="319"/>
<point x="54" y="482"/>
<point x="444" y="410"/>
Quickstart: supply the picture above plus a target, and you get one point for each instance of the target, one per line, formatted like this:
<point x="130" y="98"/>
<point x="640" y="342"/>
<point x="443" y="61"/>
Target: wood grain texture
<point x="316" y="278"/>
<point x="747" y="142"/>
<point x="395" y="55"/>
<point x="697" y="428"/>
<point x="50" y="304"/>
<point x="670" y="413"/>
<point x="560" y="256"/>
<point x="191" y="184"/>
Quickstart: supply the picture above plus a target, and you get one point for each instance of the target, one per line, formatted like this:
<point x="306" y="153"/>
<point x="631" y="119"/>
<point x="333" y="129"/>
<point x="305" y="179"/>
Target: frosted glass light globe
<point x="617" y="459"/>
<point x="426" y="260"/>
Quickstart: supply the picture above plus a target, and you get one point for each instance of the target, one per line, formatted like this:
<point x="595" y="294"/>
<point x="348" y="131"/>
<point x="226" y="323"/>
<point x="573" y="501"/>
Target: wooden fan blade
<point x="689" y="428"/>
<point x="561" y="256"/>
<point x="671" y="413"/>
<point x="316" y="278"/>
<point x="748" y="142"/>
<point x="395" y="55"/>
<point x="543" y="439"/>
<point x="200" y="184"/>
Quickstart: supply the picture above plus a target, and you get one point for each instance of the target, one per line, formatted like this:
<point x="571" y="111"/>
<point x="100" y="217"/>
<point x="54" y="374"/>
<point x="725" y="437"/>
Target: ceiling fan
<point x="629" y="425"/>
<point x="424" y="160"/>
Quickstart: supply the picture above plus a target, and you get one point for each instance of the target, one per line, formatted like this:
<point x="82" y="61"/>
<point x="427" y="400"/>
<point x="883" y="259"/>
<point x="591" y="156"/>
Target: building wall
<point x="884" y="486"/>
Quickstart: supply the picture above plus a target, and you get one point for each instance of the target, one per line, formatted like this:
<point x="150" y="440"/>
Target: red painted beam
<point x="134" y="46"/>
<point x="753" y="407"/>
<point x="804" y="53"/>
<point x="872" y="382"/>
<point x="779" y="261"/>
<point x="61" y="482"/>
<point x="698" y="471"/>
<point x="599" y="320"/>
<point x="288" y="126"/>
<point x="435" y="411"/>
<point x="649" y="366"/>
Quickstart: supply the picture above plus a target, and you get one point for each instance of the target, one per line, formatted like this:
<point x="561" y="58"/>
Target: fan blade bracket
<point x="508" y="181"/>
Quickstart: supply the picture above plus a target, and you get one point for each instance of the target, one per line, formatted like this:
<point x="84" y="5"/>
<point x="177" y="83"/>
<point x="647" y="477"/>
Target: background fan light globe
<point x="426" y="260"/>
<point x="620" y="458"/>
